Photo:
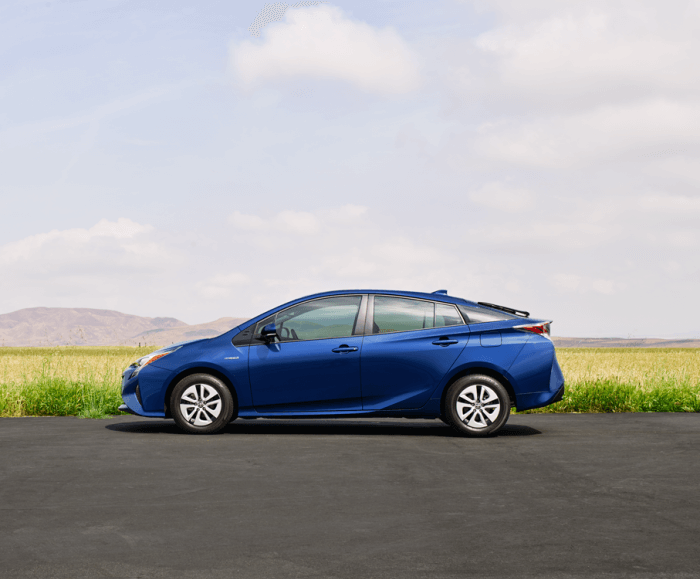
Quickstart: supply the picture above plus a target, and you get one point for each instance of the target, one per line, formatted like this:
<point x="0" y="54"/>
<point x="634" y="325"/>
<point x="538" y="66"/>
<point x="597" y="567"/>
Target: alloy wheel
<point x="200" y="404"/>
<point x="478" y="406"/>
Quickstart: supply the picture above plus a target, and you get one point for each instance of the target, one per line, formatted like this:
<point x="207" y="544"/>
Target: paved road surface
<point x="554" y="496"/>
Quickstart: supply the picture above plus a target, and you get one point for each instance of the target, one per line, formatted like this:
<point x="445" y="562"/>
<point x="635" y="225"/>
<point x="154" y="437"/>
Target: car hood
<point x="180" y="344"/>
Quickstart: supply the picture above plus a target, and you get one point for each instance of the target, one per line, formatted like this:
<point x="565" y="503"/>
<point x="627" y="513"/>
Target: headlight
<point x="152" y="357"/>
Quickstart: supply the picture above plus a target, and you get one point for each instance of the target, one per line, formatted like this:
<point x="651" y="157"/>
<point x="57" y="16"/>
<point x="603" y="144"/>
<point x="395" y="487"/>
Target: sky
<point x="211" y="159"/>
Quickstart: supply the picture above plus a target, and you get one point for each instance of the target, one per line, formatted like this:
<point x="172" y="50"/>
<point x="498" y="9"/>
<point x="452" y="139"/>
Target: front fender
<point x="156" y="385"/>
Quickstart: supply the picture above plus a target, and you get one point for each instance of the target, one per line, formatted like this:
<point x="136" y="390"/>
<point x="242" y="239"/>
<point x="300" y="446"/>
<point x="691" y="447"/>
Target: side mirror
<point x="268" y="333"/>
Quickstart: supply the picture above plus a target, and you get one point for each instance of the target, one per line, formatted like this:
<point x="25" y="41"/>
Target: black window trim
<point x="370" y="314"/>
<point x="358" y="325"/>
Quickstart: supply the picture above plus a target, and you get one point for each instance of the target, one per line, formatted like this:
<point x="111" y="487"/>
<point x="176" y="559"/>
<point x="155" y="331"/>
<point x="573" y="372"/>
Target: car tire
<point x="201" y="404"/>
<point x="477" y="405"/>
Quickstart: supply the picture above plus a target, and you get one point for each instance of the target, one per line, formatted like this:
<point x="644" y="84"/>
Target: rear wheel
<point x="201" y="404"/>
<point x="477" y="405"/>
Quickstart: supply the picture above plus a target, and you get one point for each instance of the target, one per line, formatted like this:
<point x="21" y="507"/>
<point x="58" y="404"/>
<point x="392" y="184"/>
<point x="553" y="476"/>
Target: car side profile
<point x="356" y="353"/>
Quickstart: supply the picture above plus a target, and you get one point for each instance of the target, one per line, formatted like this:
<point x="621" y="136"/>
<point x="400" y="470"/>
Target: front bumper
<point x="129" y="396"/>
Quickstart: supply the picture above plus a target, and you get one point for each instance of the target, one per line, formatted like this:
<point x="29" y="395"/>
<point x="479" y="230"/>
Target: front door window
<point x="316" y="320"/>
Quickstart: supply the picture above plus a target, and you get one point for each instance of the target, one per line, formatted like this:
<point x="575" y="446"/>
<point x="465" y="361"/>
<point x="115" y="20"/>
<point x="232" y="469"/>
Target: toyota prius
<point x="356" y="353"/>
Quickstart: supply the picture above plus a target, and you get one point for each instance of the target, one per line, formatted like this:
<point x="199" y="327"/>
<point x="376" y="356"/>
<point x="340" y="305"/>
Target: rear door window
<point x="401" y="315"/>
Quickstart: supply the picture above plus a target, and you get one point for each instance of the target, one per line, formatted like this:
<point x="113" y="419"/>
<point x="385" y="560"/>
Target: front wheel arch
<point x="200" y="370"/>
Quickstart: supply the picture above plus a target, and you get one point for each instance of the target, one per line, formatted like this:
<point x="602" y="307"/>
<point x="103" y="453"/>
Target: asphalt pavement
<point x="553" y="496"/>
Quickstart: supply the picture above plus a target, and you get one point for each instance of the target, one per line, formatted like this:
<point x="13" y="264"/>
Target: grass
<point x="63" y="381"/>
<point x="629" y="380"/>
<point x="85" y="381"/>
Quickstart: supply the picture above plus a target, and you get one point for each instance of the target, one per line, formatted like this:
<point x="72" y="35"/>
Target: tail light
<point x="542" y="329"/>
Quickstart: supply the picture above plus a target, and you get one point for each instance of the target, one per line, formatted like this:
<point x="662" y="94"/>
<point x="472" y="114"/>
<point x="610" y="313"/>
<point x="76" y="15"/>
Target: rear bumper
<point x="559" y="396"/>
<point x="553" y="394"/>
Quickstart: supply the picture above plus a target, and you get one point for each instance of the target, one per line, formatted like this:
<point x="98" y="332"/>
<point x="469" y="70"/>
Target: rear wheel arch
<point x="478" y="370"/>
<point x="200" y="370"/>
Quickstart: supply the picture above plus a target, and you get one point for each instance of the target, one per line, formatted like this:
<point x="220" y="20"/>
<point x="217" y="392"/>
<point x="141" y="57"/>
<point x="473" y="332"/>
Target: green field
<point x="63" y="381"/>
<point x="629" y="380"/>
<point x="84" y="381"/>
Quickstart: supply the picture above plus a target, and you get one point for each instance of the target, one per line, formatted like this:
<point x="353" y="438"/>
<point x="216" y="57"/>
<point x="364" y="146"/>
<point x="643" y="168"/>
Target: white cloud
<point x="576" y="52"/>
<point x="346" y="212"/>
<point x="342" y="243"/>
<point x="670" y="204"/>
<point x="604" y="133"/>
<point x="297" y="222"/>
<point x="78" y="239"/>
<point x="246" y="222"/>
<point x="503" y="197"/>
<point x="294" y="222"/>
<point x="683" y="239"/>
<point x="570" y="84"/>
<point x="322" y="42"/>
<point x="114" y="264"/>
<point x="222" y="285"/>
<point x="582" y="284"/>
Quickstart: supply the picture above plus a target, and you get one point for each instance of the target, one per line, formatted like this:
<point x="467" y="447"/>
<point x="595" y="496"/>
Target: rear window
<point x="475" y="315"/>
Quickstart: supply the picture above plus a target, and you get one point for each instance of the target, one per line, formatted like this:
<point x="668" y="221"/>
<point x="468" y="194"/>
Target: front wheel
<point x="477" y="405"/>
<point x="201" y="404"/>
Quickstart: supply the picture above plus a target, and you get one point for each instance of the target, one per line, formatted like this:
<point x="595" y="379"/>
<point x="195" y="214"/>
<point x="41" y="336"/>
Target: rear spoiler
<point x="521" y="313"/>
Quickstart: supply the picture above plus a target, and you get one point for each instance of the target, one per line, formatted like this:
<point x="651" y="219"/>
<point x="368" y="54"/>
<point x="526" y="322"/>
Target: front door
<point x="314" y="363"/>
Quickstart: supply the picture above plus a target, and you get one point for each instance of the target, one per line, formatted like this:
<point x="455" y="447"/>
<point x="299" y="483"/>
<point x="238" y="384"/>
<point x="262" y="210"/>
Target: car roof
<point x="438" y="297"/>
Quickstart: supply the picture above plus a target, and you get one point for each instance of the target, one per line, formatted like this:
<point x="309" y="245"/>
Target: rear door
<point x="408" y="348"/>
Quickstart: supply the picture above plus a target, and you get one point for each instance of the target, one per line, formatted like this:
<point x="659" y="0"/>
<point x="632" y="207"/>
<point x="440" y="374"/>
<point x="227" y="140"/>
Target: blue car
<point x="356" y="353"/>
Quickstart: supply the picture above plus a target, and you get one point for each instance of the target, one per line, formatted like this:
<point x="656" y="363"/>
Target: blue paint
<point x="396" y="373"/>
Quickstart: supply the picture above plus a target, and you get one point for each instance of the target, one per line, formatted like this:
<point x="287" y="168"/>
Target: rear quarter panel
<point x="492" y="345"/>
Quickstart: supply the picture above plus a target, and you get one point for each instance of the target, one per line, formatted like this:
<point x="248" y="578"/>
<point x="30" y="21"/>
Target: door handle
<point x="444" y="342"/>
<point x="344" y="348"/>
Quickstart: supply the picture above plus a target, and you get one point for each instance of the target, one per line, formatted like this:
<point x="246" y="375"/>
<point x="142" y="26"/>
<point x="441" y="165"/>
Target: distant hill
<point x="91" y="327"/>
<point x="624" y="343"/>
<point x="165" y="336"/>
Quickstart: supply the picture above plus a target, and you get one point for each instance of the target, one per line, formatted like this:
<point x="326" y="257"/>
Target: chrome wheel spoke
<point x="188" y="412"/>
<point x="464" y="416"/>
<point x="476" y="421"/>
<point x="466" y="398"/>
<point x="212" y="411"/>
<point x="201" y="418"/>
<point x="208" y="394"/>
